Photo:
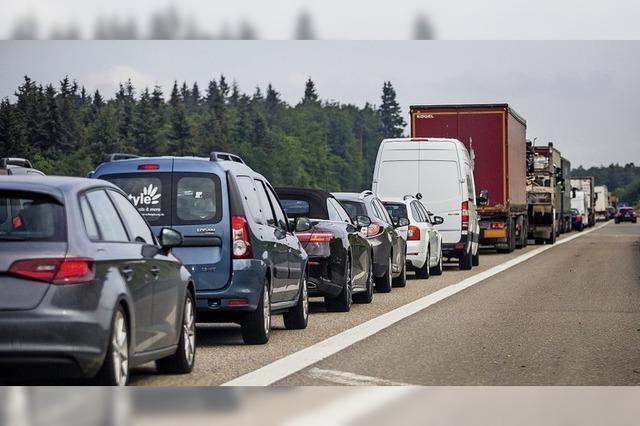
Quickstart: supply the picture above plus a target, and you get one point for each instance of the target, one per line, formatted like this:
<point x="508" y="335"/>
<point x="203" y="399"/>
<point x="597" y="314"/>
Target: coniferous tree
<point x="390" y="113"/>
<point x="310" y="94"/>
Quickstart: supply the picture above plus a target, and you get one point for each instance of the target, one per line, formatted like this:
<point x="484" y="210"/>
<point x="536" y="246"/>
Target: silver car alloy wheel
<point x="189" y="331"/>
<point x="266" y="310"/>
<point x="120" y="349"/>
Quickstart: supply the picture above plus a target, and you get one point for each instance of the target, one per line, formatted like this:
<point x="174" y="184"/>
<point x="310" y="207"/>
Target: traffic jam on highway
<point x="103" y="274"/>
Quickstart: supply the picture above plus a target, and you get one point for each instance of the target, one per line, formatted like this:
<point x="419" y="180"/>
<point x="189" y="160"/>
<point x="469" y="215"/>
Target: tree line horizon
<point x="315" y="143"/>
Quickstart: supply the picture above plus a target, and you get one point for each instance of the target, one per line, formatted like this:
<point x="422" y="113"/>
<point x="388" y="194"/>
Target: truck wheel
<point x="297" y="317"/>
<point x="383" y="283"/>
<point x="256" y="325"/>
<point x="465" y="262"/>
<point x="511" y="240"/>
<point x="424" y="272"/>
<point x="552" y="239"/>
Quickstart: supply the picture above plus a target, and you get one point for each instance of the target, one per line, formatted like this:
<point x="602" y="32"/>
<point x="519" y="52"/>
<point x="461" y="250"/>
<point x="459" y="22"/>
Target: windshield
<point x="396" y="210"/>
<point x="28" y="216"/>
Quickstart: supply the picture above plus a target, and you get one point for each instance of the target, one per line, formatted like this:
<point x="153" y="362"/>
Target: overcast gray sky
<point x="584" y="96"/>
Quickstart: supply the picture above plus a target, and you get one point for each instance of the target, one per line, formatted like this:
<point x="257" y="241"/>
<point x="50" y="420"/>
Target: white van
<point x="439" y="172"/>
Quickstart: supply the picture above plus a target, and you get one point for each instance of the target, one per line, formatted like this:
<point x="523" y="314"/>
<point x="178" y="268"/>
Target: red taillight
<point x="240" y="230"/>
<point x="579" y="218"/>
<point x="497" y="225"/>
<point x="317" y="237"/>
<point x="148" y="167"/>
<point x="373" y="230"/>
<point x="413" y="233"/>
<point x="465" y="215"/>
<point x="55" y="271"/>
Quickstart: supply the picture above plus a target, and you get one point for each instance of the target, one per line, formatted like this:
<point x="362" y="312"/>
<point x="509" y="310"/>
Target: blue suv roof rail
<point x="225" y="156"/>
<point x="118" y="156"/>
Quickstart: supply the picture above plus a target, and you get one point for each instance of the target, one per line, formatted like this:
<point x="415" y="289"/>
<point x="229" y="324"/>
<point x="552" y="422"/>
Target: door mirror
<point x="402" y="222"/>
<point x="170" y="238"/>
<point x="483" y="198"/>
<point x="362" y="221"/>
<point x="438" y="220"/>
<point x="302" y="224"/>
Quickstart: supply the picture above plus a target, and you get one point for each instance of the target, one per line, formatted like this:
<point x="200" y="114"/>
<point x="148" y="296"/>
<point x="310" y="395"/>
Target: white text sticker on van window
<point x="199" y="194"/>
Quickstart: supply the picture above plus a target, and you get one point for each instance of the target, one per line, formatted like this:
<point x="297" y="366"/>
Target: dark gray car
<point x="388" y="246"/>
<point x="86" y="290"/>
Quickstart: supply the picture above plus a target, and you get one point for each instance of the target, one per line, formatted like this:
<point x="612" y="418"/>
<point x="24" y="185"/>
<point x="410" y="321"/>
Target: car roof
<point x="353" y="196"/>
<point x="55" y="186"/>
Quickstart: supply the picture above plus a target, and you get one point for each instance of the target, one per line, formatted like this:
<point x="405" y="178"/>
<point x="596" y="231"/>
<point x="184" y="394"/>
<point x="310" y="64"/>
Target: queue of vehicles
<point x="100" y="275"/>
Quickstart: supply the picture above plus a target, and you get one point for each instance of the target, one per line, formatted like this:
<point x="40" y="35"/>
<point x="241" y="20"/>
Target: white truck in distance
<point x="602" y="202"/>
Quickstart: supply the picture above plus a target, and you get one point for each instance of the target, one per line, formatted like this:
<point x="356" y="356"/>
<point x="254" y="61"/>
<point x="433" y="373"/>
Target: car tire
<point x="343" y="301"/>
<point x="183" y="360"/>
<point x="367" y="295"/>
<point x="297" y="317"/>
<point x="425" y="272"/>
<point x="437" y="270"/>
<point x="115" y="368"/>
<point x="465" y="263"/>
<point x="384" y="283"/>
<point x="256" y="325"/>
<point x="401" y="280"/>
<point x="475" y="259"/>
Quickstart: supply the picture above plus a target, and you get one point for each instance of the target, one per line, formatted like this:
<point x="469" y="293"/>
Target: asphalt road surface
<point x="569" y="315"/>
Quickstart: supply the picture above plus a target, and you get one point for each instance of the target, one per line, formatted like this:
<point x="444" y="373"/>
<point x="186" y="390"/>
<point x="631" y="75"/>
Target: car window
<point x="109" y="223"/>
<point x="470" y="188"/>
<point x="265" y="205"/>
<point x="383" y="212"/>
<point x="416" y="213"/>
<point x="251" y="197"/>
<point x="90" y="225"/>
<point x="138" y="228"/>
<point x="354" y="208"/>
<point x="197" y="198"/>
<point x="396" y="210"/>
<point x="281" y="217"/>
<point x="424" y="211"/>
<point x="29" y="216"/>
<point x="296" y="208"/>
<point x="333" y="213"/>
<point x="344" y="216"/>
<point x="150" y="193"/>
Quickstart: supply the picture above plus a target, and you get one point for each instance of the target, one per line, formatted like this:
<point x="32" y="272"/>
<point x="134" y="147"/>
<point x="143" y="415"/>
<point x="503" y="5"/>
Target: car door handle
<point x="155" y="271"/>
<point x="127" y="273"/>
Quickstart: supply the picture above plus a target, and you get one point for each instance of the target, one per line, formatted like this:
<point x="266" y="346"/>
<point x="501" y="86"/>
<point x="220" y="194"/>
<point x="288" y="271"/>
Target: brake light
<point x="373" y="230"/>
<point x="317" y="237"/>
<point x="240" y="237"/>
<point x="148" y="167"/>
<point x="413" y="233"/>
<point x="497" y="225"/>
<point x="56" y="271"/>
<point x="465" y="215"/>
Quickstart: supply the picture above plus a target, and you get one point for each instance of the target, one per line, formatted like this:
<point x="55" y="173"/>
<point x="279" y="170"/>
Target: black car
<point x="626" y="214"/>
<point x="388" y="245"/>
<point x="86" y="289"/>
<point x="340" y="267"/>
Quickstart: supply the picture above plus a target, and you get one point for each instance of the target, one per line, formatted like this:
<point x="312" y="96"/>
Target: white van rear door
<point x="397" y="172"/>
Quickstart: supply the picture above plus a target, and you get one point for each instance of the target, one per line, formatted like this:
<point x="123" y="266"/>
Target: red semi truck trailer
<point x="495" y="136"/>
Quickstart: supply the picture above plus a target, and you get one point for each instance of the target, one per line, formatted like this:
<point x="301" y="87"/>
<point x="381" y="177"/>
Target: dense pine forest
<point x="66" y="131"/>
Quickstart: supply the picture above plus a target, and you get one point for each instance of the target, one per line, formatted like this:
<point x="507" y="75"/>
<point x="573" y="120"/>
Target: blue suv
<point x="237" y="241"/>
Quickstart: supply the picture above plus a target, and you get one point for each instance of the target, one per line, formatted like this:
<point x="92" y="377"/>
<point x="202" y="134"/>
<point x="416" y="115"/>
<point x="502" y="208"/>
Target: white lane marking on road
<point x="304" y="358"/>
<point x="346" y="410"/>
<point x="351" y="379"/>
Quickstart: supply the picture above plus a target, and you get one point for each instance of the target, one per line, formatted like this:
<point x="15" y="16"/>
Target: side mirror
<point x="170" y="238"/>
<point x="483" y="198"/>
<point x="362" y="221"/>
<point x="302" y="224"/>
<point x="438" y="220"/>
<point x="402" y="222"/>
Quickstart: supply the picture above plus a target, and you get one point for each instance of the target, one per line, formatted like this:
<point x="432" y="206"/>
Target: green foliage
<point x="623" y="181"/>
<point x="331" y="146"/>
